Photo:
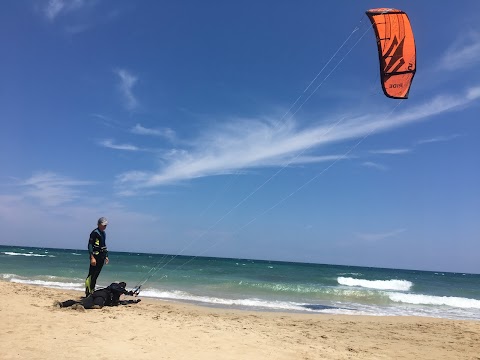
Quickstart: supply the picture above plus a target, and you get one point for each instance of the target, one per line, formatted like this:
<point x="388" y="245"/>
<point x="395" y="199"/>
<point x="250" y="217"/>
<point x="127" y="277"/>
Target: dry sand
<point x="32" y="328"/>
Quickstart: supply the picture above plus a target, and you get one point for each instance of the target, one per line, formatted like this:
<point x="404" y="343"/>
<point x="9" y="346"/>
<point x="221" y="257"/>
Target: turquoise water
<point x="256" y="284"/>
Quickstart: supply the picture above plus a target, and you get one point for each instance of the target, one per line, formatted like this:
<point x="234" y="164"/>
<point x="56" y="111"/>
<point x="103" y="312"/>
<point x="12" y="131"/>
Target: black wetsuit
<point x="109" y="296"/>
<point x="98" y="249"/>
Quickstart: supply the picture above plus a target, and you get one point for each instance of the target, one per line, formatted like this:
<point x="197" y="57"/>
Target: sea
<point x="256" y="285"/>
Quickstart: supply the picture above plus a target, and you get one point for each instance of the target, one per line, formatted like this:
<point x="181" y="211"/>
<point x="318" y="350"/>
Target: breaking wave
<point x="399" y="285"/>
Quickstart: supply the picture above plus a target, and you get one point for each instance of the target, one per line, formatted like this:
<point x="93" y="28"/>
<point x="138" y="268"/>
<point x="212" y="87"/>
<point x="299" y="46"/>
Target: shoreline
<point x="259" y="285"/>
<point x="156" y="329"/>
<point x="309" y="309"/>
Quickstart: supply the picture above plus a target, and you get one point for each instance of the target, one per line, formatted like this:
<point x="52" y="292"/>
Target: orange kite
<point x="396" y="50"/>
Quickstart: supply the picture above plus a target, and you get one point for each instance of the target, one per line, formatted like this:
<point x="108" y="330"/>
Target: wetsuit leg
<point x="93" y="273"/>
<point x="100" y="301"/>
<point x="68" y="303"/>
<point x="88" y="302"/>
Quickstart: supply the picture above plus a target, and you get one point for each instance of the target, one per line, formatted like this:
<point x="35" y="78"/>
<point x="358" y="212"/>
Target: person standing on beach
<point x="98" y="253"/>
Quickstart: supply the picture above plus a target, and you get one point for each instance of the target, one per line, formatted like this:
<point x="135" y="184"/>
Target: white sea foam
<point x="419" y="299"/>
<point x="351" y="273"/>
<point x="51" y="284"/>
<point x="242" y="303"/>
<point x="333" y="308"/>
<point x="401" y="285"/>
<point x="23" y="254"/>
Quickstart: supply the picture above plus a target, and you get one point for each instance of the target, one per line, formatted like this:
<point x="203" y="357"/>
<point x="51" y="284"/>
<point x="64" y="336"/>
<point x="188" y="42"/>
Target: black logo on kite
<point x="396" y="59"/>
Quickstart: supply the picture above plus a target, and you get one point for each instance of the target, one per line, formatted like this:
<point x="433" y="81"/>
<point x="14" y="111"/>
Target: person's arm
<point x="117" y="288"/>
<point x="91" y="240"/>
<point x="126" y="292"/>
<point x="106" y="255"/>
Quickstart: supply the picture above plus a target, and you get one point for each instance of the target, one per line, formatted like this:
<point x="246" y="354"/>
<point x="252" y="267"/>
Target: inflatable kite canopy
<point x="396" y="50"/>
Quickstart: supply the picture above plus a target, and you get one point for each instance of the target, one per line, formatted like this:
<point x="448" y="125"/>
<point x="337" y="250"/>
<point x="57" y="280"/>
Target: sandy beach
<point x="32" y="328"/>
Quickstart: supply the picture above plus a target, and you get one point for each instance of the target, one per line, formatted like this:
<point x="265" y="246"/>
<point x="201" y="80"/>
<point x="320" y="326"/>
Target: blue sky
<point x="240" y="129"/>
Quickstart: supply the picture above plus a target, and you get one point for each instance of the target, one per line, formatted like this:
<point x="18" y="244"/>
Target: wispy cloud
<point x="107" y="121"/>
<point x="108" y="143"/>
<point x="391" y="151"/>
<point x="54" y="8"/>
<point x="52" y="189"/>
<point x="379" y="236"/>
<point x="47" y="201"/>
<point x="373" y="165"/>
<point x="402" y="151"/>
<point x="166" y="133"/>
<point x="251" y="143"/>
<point x="464" y="53"/>
<point x="127" y="82"/>
<point x="437" y="139"/>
